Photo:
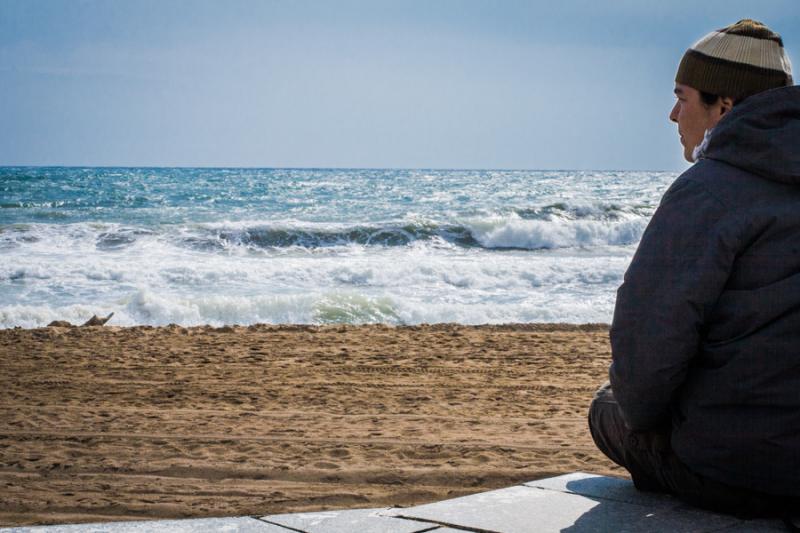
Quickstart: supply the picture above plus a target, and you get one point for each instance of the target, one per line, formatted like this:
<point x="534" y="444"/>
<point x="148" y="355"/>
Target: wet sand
<point x="108" y="423"/>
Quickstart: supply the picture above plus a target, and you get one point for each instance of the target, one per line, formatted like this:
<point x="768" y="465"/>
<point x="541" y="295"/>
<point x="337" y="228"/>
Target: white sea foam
<point x="514" y="232"/>
<point x="396" y="285"/>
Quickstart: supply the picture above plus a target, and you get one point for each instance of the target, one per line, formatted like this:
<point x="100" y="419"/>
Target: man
<point x="706" y="332"/>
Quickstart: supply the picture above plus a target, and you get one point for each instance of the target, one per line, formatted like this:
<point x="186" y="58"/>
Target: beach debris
<point x="60" y="324"/>
<point x="97" y="321"/>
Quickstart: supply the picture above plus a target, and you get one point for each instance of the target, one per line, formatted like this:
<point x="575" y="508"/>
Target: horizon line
<point x="214" y="167"/>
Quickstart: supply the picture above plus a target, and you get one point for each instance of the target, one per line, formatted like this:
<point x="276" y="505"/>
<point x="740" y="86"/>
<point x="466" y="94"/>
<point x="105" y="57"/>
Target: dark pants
<point x="653" y="466"/>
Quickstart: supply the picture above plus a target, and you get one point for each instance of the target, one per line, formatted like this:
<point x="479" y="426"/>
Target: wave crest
<point x="548" y="227"/>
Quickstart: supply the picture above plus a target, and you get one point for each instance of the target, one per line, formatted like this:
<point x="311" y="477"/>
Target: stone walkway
<point x="571" y="503"/>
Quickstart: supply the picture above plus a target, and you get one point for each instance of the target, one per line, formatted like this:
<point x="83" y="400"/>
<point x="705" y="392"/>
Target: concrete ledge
<point x="241" y="524"/>
<point x="573" y="503"/>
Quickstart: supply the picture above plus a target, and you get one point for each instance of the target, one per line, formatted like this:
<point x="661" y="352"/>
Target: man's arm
<point x="679" y="270"/>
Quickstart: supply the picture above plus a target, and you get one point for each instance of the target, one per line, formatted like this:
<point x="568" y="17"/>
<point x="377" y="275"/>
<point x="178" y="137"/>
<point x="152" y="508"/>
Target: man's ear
<point x="725" y="104"/>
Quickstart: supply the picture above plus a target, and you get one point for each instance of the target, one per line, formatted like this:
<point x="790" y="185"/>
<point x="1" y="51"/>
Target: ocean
<point x="221" y="246"/>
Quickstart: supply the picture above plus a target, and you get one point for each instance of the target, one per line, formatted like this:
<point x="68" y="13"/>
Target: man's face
<point x="693" y="117"/>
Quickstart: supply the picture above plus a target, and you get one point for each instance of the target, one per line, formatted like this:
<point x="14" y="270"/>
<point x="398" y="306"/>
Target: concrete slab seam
<point x="445" y="524"/>
<point x="433" y="527"/>
<point x="436" y="525"/>
<point x="287" y="528"/>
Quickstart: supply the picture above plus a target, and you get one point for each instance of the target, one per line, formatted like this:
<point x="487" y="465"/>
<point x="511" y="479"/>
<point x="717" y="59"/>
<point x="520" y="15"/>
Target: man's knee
<point x="606" y="426"/>
<point x="603" y="410"/>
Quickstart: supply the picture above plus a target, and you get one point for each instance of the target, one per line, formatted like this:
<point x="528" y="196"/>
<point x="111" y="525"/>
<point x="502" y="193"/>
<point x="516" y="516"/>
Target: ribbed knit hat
<point x="737" y="61"/>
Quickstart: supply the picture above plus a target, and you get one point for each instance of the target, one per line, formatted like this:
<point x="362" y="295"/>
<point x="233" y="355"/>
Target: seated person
<point x="704" y="394"/>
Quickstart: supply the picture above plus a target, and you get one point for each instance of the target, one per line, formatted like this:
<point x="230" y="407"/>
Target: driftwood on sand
<point x="94" y="321"/>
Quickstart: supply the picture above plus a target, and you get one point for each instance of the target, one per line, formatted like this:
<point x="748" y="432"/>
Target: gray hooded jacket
<point x="706" y="330"/>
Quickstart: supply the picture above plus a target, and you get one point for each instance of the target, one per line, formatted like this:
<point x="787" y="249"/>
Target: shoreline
<point x="108" y="423"/>
<point x="521" y="326"/>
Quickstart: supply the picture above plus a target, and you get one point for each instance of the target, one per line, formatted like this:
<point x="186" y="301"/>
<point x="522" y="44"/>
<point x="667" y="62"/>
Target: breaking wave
<point x="492" y="232"/>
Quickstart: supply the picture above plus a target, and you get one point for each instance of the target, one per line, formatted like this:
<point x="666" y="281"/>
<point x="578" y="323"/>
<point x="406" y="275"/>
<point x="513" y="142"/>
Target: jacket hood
<point x="761" y="135"/>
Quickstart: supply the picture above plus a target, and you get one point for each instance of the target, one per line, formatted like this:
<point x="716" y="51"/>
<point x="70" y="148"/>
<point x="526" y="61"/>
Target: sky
<point x="526" y="84"/>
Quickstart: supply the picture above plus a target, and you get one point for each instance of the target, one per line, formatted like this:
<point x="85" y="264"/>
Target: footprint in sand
<point x="326" y="465"/>
<point x="339" y="453"/>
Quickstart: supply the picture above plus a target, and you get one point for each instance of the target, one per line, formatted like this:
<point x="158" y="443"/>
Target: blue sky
<point x="407" y="83"/>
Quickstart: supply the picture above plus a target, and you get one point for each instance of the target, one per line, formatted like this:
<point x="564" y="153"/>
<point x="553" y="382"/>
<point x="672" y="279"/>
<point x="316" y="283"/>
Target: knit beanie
<point x="737" y="61"/>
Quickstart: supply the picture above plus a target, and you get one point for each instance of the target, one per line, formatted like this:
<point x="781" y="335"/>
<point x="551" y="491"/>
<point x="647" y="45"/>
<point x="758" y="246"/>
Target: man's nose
<point x="673" y="115"/>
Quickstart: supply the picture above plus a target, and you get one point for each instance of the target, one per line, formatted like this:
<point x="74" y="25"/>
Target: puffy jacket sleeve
<point x="677" y="274"/>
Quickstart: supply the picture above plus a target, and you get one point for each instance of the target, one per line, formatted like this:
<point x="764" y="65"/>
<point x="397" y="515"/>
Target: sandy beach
<point x="110" y="423"/>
